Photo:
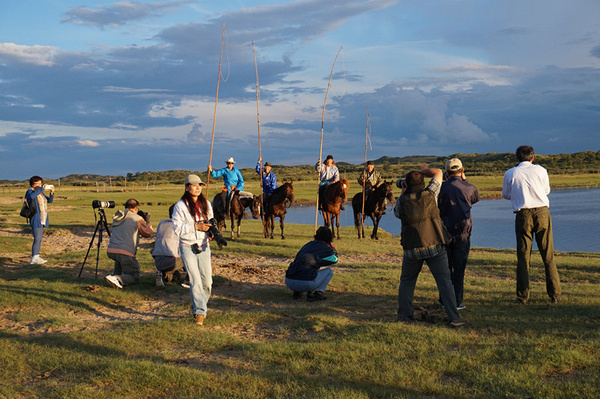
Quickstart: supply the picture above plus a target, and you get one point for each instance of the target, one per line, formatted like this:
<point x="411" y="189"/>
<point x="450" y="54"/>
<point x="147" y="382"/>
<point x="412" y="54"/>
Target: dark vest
<point x="421" y="223"/>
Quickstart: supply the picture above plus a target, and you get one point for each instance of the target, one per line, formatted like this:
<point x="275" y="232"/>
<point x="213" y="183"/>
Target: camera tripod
<point x="100" y="226"/>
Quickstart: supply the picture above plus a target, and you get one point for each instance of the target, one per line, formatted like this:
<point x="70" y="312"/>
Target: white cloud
<point x="88" y="143"/>
<point x="34" y="55"/>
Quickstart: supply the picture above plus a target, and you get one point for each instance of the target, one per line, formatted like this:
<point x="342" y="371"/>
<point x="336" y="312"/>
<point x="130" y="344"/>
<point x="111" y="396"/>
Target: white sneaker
<point x="159" y="279"/>
<point x="37" y="260"/>
<point x="113" y="282"/>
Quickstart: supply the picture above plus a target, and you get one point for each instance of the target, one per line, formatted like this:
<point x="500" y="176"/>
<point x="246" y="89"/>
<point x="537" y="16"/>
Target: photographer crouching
<point x="126" y="227"/>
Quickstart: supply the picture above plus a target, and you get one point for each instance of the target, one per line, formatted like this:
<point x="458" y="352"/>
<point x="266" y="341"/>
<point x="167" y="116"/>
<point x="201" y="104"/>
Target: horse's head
<point x="344" y="189"/>
<point x="387" y="190"/>
<point x="289" y="191"/>
<point x="255" y="206"/>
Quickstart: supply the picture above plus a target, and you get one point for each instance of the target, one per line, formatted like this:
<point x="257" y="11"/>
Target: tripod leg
<point x="90" y="247"/>
<point x="98" y="252"/>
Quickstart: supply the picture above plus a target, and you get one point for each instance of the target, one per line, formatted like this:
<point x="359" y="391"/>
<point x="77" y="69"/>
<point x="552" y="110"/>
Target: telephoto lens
<point x="96" y="204"/>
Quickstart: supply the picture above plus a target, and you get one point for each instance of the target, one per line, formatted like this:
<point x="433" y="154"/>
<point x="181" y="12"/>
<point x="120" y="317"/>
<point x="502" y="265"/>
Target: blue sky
<point x="116" y="87"/>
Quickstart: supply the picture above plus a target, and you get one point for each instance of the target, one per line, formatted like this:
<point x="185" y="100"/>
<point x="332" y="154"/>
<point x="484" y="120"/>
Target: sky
<point x="110" y="88"/>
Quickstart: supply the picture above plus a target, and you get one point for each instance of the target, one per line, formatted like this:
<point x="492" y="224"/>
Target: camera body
<point x="214" y="232"/>
<point x="143" y="214"/>
<point x="96" y="204"/>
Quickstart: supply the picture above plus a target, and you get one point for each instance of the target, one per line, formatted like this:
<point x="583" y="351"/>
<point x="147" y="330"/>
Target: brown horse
<point x="237" y="207"/>
<point x="334" y="196"/>
<point x="276" y="207"/>
<point x="375" y="205"/>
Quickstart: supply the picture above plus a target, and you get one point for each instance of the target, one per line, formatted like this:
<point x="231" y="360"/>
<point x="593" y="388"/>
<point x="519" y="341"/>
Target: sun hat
<point x="194" y="179"/>
<point x="230" y="160"/>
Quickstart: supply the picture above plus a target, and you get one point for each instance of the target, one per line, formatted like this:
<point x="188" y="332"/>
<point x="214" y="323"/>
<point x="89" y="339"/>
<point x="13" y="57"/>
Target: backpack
<point x="27" y="210"/>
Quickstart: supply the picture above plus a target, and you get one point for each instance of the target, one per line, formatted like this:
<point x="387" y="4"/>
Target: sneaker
<point x="186" y="284"/>
<point x="159" y="279"/>
<point x="113" y="281"/>
<point x="556" y="299"/>
<point x="315" y="296"/>
<point x="461" y="307"/>
<point x="519" y="301"/>
<point x="298" y="294"/>
<point x="199" y="319"/>
<point x="37" y="260"/>
<point x="458" y="322"/>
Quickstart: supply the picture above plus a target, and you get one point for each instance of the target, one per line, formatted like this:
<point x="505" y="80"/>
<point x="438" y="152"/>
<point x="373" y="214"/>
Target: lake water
<point x="575" y="220"/>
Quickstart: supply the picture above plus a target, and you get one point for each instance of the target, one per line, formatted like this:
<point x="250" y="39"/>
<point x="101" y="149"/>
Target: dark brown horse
<point x="276" y="207"/>
<point x="237" y="207"/>
<point x="334" y="196"/>
<point x="375" y="205"/>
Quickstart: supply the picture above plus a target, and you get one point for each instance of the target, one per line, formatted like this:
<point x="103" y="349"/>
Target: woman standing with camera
<point x="190" y="222"/>
<point x="36" y="197"/>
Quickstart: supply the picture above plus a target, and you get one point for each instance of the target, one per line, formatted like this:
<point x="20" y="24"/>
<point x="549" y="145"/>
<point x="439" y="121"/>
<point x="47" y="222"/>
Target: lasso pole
<point x="362" y="219"/>
<point x="258" y="124"/>
<point x="212" y="140"/>
<point x="322" y="123"/>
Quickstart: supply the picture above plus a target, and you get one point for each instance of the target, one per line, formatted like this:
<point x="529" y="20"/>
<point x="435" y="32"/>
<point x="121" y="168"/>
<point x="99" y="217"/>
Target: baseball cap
<point x="194" y="179"/>
<point x="454" y="165"/>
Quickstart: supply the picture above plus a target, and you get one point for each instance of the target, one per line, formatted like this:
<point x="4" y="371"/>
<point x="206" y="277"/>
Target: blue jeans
<point x="438" y="265"/>
<point x="38" y="233"/>
<point x="319" y="283"/>
<point x="199" y="271"/>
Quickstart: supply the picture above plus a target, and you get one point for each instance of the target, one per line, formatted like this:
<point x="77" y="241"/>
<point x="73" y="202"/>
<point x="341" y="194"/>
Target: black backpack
<point x="27" y="210"/>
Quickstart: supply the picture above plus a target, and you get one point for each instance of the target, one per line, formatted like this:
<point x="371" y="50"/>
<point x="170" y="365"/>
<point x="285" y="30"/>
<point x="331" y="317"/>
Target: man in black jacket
<point x="305" y="274"/>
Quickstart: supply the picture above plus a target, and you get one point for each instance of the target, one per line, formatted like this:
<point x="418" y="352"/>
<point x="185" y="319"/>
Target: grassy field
<point x="69" y="337"/>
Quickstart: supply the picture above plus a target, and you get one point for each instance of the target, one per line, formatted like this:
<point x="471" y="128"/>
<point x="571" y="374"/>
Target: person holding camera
<point x="36" y="197"/>
<point x="127" y="226"/>
<point x="191" y="222"/>
<point x="305" y="274"/>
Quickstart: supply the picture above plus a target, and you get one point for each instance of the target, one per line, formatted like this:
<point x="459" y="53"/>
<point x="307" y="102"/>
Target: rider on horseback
<point x="328" y="174"/>
<point x="269" y="180"/>
<point x="232" y="181"/>
<point x="370" y="179"/>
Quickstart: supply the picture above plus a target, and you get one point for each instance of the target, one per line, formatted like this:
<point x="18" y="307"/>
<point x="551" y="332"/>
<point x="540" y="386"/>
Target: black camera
<point x="96" y="204"/>
<point x="196" y="248"/>
<point x="214" y="232"/>
<point x="143" y="214"/>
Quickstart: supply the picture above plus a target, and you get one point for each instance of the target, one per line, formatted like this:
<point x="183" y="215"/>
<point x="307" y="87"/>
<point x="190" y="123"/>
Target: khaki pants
<point x="529" y="223"/>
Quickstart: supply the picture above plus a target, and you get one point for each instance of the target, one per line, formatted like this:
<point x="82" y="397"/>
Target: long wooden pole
<point x="322" y="123"/>
<point x="362" y="219"/>
<point x="258" y="116"/>
<point x="212" y="140"/>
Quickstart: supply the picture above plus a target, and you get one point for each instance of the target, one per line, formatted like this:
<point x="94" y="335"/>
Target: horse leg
<point x="239" y="225"/>
<point x="271" y="225"/>
<point x="281" y="225"/>
<point x="337" y="224"/>
<point x="232" y="226"/>
<point x="363" y="225"/>
<point x="375" y="226"/>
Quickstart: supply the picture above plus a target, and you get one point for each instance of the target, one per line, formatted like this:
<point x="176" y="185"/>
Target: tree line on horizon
<point x="389" y="167"/>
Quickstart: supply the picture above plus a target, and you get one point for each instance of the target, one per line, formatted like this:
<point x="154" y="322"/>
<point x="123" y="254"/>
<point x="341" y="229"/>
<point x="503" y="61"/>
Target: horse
<point x="237" y="206"/>
<point x="334" y="196"/>
<point x="375" y="205"/>
<point x="276" y="207"/>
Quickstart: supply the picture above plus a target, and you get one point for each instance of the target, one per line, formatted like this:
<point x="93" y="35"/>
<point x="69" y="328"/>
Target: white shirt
<point x="526" y="186"/>
<point x="184" y="225"/>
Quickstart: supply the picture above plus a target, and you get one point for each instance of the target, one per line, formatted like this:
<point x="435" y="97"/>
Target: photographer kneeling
<point x="123" y="244"/>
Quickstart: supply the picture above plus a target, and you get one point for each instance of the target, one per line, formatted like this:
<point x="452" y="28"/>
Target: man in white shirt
<point x="527" y="187"/>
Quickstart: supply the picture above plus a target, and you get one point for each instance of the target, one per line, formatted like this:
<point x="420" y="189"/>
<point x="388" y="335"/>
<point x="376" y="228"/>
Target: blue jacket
<point x="311" y="257"/>
<point x="231" y="177"/>
<point x="269" y="181"/>
<point x="31" y="196"/>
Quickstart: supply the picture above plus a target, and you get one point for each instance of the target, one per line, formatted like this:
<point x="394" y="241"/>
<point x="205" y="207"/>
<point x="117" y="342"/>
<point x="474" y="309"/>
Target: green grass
<point x="60" y="337"/>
